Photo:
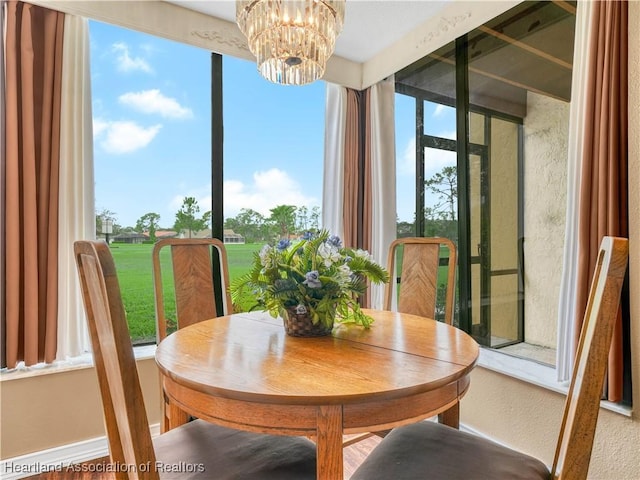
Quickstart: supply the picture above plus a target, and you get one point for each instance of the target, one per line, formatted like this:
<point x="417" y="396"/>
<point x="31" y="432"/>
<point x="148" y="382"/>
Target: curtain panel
<point x="333" y="176"/>
<point x="77" y="204"/>
<point x="603" y="200"/>
<point x="567" y="299"/>
<point x="33" y="58"/>
<point x="360" y="206"/>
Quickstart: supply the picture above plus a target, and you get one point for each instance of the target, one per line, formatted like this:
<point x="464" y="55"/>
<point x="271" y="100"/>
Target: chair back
<point x="418" y="276"/>
<point x="124" y="411"/>
<point x="194" y="261"/>
<point x="577" y="432"/>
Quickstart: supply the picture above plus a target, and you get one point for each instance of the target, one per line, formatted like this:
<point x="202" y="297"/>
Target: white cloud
<point x="126" y="63"/>
<point x="99" y="126"/>
<point x="435" y="160"/>
<point x="123" y="136"/>
<point x="451" y="134"/>
<point x="153" y="101"/>
<point x="202" y="196"/>
<point x="269" y="189"/>
<point x="406" y="163"/>
<point x="439" y="110"/>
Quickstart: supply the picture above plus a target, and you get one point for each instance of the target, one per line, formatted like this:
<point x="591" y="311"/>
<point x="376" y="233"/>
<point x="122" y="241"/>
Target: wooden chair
<point x="193" y="261"/>
<point x="195" y="450"/>
<point x="418" y="287"/>
<point x="428" y="449"/>
<point x="193" y="269"/>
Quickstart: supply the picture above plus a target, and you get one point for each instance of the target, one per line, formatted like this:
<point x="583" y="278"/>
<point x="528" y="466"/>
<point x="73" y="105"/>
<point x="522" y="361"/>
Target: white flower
<point x="264" y="255"/>
<point x="364" y="254"/>
<point x="344" y="274"/>
<point x="329" y="254"/>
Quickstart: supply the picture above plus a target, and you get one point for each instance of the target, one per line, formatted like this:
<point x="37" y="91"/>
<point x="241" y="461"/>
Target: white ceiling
<point x="370" y="26"/>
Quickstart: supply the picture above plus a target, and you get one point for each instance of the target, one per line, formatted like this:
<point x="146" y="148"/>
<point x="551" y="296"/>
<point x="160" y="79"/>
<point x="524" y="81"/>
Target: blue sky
<point x="152" y="140"/>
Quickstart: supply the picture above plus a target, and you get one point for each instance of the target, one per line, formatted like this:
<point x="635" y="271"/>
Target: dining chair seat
<point x="196" y="449"/>
<point x="435" y="451"/>
<point x="201" y="450"/>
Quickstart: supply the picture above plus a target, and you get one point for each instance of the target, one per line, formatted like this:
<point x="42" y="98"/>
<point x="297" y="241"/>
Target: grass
<point x="135" y="274"/>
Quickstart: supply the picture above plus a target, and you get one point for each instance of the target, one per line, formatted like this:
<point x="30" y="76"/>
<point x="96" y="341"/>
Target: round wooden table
<point x="243" y="371"/>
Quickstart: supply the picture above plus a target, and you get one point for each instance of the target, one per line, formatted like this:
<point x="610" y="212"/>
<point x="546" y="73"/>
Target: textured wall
<point x="545" y="184"/>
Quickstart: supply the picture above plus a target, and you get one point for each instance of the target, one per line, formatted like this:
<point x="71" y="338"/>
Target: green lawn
<point x="135" y="274"/>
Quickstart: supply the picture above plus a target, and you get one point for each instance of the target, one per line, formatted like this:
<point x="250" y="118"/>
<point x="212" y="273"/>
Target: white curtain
<point x="383" y="182"/>
<point x="333" y="178"/>
<point x="568" y="286"/>
<point x="77" y="210"/>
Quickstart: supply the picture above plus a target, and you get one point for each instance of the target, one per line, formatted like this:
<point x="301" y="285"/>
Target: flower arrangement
<point x="316" y="276"/>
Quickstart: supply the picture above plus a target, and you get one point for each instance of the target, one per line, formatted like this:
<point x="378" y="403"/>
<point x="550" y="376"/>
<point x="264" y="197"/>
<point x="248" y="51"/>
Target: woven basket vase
<point x="301" y="325"/>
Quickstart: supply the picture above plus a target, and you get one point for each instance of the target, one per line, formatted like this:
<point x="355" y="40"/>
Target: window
<point x="157" y="113"/>
<point x="506" y="88"/>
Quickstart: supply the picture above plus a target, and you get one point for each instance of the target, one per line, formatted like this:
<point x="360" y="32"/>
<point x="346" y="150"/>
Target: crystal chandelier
<point x="291" y="39"/>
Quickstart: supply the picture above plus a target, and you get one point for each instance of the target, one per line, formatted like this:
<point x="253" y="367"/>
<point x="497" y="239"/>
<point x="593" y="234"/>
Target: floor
<point x="353" y="456"/>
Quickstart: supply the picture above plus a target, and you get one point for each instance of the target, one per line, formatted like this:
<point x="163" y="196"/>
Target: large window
<point x="177" y="128"/>
<point x="495" y="103"/>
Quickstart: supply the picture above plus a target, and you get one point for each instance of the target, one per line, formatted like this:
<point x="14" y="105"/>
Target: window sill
<point x="85" y="360"/>
<point x="533" y="372"/>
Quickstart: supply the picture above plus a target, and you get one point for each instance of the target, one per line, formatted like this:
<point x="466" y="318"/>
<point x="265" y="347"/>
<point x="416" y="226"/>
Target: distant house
<point x="164" y="234"/>
<point x="129" y="237"/>
<point x="229" y="236"/>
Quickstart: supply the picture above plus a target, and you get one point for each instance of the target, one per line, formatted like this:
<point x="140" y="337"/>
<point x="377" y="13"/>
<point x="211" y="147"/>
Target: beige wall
<point x="528" y="417"/>
<point x="43" y="411"/>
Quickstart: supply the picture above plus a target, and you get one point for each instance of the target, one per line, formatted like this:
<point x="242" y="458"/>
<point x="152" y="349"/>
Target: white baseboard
<point x="58" y="458"/>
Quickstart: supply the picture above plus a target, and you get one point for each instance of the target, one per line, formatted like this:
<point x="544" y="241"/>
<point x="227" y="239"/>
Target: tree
<point x="251" y="225"/>
<point x="284" y="217"/>
<point x="314" y="218"/>
<point x="445" y="185"/>
<point x="302" y="219"/>
<point x="148" y="222"/>
<point x="187" y="219"/>
<point x="405" y="229"/>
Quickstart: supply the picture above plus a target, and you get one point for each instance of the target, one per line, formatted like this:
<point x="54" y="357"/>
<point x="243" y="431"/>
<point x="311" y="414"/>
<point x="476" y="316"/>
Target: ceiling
<point x="370" y="26"/>
<point x="529" y="48"/>
<point x="379" y="38"/>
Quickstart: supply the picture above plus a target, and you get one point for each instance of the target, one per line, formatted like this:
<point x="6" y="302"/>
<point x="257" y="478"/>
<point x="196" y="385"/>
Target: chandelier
<point x="291" y="39"/>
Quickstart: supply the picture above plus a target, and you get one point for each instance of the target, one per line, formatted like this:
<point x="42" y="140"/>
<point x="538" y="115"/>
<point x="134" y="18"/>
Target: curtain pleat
<point x="33" y="59"/>
<point x="382" y="148"/>
<point x="333" y="179"/>
<point x="351" y="172"/>
<point x="603" y="203"/>
<point x="3" y="162"/>
<point x="76" y="209"/>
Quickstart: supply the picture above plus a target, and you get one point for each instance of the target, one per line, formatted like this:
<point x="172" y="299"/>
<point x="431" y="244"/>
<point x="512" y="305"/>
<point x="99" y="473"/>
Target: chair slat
<point x="193" y="283"/>
<point x="417" y="292"/>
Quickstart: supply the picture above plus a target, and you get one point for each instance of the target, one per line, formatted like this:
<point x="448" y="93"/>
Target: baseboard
<point x="58" y="458"/>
